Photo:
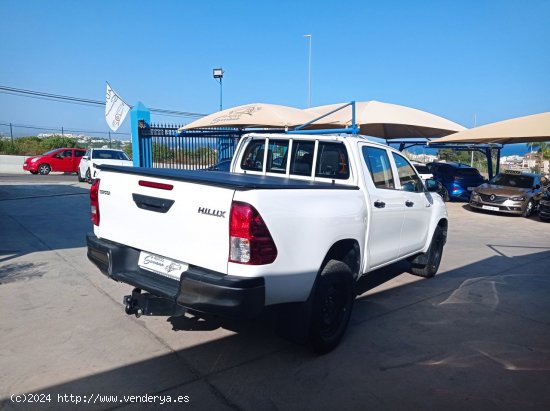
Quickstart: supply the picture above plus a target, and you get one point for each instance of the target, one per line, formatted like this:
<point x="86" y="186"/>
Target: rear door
<point x="387" y="205"/>
<point x="417" y="211"/>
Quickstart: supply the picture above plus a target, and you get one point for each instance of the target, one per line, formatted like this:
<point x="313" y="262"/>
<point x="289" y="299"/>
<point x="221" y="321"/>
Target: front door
<point x="386" y="205"/>
<point x="416" y="221"/>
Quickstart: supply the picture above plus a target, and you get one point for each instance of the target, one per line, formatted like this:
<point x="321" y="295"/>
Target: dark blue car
<point x="458" y="179"/>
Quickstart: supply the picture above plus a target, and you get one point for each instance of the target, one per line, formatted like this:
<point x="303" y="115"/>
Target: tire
<point x="528" y="209"/>
<point x="44" y="169"/>
<point x="445" y="195"/>
<point x="88" y="177"/>
<point x="426" y="265"/>
<point x="80" y="179"/>
<point x="331" y="305"/>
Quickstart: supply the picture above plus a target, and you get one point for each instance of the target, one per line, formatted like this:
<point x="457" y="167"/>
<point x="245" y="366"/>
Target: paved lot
<point x="475" y="337"/>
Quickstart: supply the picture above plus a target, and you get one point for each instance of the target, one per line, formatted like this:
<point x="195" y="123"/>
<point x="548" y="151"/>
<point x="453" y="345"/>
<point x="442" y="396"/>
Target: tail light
<point x="249" y="239"/>
<point x="94" y="202"/>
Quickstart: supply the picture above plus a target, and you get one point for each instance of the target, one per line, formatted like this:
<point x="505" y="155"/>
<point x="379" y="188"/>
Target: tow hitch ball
<point x="140" y="304"/>
<point x="131" y="305"/>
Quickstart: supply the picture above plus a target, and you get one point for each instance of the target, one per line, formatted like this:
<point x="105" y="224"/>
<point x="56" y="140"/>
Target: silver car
<point x="511" y="192"/>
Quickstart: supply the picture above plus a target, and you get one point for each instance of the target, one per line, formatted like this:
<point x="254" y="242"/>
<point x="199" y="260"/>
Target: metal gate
<point x="161" y="146"/>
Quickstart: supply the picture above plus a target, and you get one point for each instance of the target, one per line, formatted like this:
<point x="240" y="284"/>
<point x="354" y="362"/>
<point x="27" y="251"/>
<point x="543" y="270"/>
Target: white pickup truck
<point x="299" y="219"/>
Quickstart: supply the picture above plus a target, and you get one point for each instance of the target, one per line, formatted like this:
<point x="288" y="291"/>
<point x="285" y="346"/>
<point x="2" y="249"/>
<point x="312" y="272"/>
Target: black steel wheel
<point x="427" y="264"/>
<point x="331" y="306"/>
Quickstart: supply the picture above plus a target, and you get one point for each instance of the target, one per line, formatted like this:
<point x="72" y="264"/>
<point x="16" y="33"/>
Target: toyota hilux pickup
<point x="296" y="222"/>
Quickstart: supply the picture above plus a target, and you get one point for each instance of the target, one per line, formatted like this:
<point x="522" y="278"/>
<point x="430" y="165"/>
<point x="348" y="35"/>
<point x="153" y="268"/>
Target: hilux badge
<point x="214" y="213"/>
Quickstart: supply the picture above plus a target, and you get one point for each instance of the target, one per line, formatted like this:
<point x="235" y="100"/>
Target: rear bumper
<point x="198" y="289"/>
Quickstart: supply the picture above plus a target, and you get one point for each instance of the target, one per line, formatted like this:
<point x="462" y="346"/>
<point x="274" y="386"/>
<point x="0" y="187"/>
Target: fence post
<point x="140" y="112"/>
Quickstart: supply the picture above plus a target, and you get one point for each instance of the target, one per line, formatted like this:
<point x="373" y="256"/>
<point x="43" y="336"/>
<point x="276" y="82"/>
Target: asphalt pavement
<point x="476" y="337"/>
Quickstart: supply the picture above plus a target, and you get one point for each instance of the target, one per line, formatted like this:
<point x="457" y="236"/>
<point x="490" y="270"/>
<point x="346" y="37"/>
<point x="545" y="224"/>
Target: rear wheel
<point x="331" y="306"/>
<point x="528" y="209"/>
<point x="427" y="264"/>
<point x="88" y="177"/>
<point x="44" y="169"/>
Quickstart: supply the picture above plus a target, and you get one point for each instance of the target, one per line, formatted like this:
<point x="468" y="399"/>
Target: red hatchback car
<point x="59" y="159"/>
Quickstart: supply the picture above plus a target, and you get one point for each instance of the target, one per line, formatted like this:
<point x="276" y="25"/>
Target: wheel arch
<point x="346" y="251"/>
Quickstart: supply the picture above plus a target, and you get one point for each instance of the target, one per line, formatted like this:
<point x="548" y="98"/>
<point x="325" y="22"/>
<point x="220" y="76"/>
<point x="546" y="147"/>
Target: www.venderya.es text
<point x="95" y="398"/>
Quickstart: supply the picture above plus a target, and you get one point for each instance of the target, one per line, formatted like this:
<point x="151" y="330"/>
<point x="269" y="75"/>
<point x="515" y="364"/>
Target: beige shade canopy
<point x="253" y="115"/>
<point x="388" y="121"/>
<point x="534" y="128"/>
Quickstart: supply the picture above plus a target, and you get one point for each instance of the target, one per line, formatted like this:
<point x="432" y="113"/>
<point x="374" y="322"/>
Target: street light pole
<point x="217" y="73"/>
<point x="309" y="72"/>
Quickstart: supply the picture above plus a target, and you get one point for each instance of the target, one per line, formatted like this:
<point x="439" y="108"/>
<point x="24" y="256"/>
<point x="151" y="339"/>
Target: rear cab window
<point x="297" y="158"/>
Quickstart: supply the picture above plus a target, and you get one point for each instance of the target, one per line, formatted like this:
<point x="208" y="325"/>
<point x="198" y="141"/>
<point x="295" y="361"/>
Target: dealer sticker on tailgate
<point x="162" y="265"/>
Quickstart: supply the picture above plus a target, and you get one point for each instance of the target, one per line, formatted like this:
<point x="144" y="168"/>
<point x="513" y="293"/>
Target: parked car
<point x="544" y="205"/>
<point x="96" y="156"/>
<point x="59" y="159"/>
<point x="458" y="179"/>
<point x="223" y="165"/>
<point x="232" y="244"/>
<point x="422" y="170"/>
<point x="511" y="192"/>
<point x="428" y="180"/>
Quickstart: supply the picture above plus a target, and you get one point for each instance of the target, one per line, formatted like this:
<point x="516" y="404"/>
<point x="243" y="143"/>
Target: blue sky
<point x="457" y="59"/>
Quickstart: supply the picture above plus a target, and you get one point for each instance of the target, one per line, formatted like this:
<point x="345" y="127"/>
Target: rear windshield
<point x="512" y="180"/>
<point x="467" y="172"/>
<point x="110" y="155"/>
<point x="422" y="169"/>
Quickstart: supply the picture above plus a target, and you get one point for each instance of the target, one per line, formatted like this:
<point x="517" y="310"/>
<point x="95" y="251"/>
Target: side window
<point x="378" y="163"/>
<point x="78" y="153"/>
<point x="407" y="176"/>
<point x="332" y="161"/>
<point x="277" y="156"/>
<point x="253" y="158"/>
<point x="302" y="158"/>
<point x="68" y="153"/>
<point x="88" y="153"/>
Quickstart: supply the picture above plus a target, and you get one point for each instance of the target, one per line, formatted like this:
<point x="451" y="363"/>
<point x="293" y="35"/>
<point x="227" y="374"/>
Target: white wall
<point x="12" y="164"/>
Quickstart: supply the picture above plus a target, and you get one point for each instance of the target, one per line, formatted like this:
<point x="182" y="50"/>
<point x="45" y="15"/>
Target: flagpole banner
<point x="115" y="109"/>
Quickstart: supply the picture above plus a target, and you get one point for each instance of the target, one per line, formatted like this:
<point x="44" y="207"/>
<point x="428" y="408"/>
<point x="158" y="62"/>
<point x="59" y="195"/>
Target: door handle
<point x="379" y="204"/>
<point x="409" y="203"/>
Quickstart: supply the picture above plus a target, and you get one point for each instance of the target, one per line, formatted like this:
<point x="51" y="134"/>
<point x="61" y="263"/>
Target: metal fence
<point x="162" y="146"/>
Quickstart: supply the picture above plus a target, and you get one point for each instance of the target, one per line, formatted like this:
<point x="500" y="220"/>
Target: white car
<point x="422" y="170"/>
<point x="95" y="156"/>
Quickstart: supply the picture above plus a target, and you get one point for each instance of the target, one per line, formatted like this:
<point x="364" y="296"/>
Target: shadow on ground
<point x="477" y="336"/>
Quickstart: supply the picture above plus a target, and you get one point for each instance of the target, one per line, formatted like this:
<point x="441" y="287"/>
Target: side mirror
<point x="85" y="158"/>
<point x="537" y="187"/>
<point x="432" y="185"/>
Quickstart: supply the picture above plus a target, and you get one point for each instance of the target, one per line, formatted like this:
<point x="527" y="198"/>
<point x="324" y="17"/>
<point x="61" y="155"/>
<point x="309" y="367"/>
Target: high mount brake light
<point x="250" y="241"/>
<point x="152" y="184"/>
<point x="94" y="201"/>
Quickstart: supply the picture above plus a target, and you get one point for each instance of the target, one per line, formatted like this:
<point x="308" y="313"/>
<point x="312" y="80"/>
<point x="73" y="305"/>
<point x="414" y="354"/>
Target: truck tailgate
<point x="183" y="221"/>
